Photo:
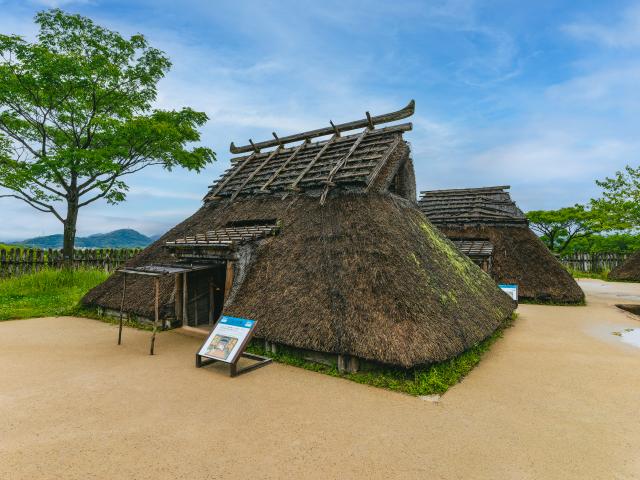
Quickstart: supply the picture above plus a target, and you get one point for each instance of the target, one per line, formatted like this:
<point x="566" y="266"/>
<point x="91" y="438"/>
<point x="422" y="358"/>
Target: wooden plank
<point x="312" y="163"/>
<point x="340" y="164"/>
<point x="321" y="132"/>
<point x="235" y="172"/>
<point x="284" y="165"/>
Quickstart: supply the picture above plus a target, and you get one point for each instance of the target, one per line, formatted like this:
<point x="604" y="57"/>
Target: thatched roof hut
<point x="628" y="271"/>
<point x="486" y="224"/>
<point x="323" y="245"/>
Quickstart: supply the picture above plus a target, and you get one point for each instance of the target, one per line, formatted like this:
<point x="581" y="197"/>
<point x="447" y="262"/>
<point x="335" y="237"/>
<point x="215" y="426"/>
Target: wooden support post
<point x="124" y="291"/>
<point x="342" y="363"/>
<point x="211" y="301"/>
<point x="178" y="297"/>
<point x="185" y="298"/>
<point x="228" y="283"/>
<point x="157" y="315"/>
<point x="353" y="365"/>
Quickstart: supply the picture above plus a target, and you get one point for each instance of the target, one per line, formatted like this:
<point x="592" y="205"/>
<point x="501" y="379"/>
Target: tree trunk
<point x="69" y="241"/>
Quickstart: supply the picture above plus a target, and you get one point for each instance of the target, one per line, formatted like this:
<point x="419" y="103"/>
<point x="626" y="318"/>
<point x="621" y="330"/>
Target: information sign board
<point x="511" y="290"/>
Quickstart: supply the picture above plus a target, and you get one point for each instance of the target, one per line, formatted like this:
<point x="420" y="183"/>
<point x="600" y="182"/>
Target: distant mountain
<point x="125" y="238"/>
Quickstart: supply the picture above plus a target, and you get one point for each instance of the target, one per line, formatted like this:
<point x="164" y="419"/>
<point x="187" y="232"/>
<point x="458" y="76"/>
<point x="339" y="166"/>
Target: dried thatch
<point x="363" y="275"/>
<point x="518" y="255"/>
<point x="354" y="269"/>
<point x="629" y="271"/>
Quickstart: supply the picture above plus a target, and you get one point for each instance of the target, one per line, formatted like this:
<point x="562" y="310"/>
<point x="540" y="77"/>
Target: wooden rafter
<point x="256" y="171"/>
<point x="232" y="175"/>
<point x="284" y="165"/>
<point x="341" y="163"/>
<point x="313" y="162"/>
<point x="382" y="162"/>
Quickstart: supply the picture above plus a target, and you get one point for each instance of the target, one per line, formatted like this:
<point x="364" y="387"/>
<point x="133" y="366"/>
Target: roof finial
<point x="371" y="126"/>
<point x="255" y="149"/>
<point x="335" y="129"/>
<point x="277" y="139"/>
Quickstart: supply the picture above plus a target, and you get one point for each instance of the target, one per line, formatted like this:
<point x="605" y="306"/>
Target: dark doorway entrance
<point x="205" y="295"/>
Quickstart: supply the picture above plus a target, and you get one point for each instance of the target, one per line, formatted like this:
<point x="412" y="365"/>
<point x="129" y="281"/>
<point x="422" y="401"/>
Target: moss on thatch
<point x="520" y="257"/>
<point x="629" y="271"/>
<point x="363" y="275"/>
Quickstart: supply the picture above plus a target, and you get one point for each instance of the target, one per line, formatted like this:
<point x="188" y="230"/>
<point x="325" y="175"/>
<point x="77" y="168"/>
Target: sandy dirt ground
<point x="556" y="398"/>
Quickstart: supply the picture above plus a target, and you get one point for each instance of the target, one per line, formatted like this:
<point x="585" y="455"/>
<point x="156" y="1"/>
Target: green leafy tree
<point x="559" y="228"/>
<point x="76" y="117"/>
<point x="620" y="201"/>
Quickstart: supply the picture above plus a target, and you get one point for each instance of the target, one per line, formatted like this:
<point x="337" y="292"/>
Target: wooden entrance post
<point x="157" y="315"/>
<point x="178" y="297"/>
<point x="228" y="283"/>
<point x="124" y="291"/>
<point x="185" y="306"/>
<point x="211" y="305"/>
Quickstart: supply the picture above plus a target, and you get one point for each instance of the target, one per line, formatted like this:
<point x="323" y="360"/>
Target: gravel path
<point x="557" y="397"/>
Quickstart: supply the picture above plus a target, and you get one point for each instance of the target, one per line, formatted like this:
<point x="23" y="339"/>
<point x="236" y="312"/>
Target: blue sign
<point x="237" y="322"/>
<point x="511" y="290"/>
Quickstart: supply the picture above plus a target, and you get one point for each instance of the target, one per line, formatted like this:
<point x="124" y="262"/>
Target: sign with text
<point x="227" y="339"/>
<point x="511" y="290"/>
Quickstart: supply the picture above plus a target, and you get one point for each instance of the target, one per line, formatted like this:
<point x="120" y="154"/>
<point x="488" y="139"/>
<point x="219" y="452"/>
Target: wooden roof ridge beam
<point x="321" y="132"/>
<point x="310" y="165"/>
<point x="284" y="165"/>
<point x="232" y="175"/>
<point x="465" y="190"/>
<point x="257" y="170"/>
<point x="342" y="162"/>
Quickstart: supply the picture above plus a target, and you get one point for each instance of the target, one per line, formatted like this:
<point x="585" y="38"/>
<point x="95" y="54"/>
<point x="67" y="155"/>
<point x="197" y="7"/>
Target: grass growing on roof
<point x="427" y="380"/>
<point x="49" y="292"/>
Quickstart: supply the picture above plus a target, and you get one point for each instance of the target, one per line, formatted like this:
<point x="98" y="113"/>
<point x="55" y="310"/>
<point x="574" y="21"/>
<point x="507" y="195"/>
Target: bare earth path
<point x="558" y="397"/>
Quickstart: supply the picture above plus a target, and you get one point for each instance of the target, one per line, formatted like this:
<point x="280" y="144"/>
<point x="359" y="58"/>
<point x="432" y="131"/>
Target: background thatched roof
<point x="629" y="270"/>
<point x="520" y="257"/>
<point x="471" y="206"/>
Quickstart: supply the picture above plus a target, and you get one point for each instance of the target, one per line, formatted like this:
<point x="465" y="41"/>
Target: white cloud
<point x="623" y="33"/>
<point x="59" y="3"/>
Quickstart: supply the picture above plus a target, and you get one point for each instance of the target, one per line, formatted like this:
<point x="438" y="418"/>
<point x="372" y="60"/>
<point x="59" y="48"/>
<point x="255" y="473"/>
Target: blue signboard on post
<point x="511" y="290"/>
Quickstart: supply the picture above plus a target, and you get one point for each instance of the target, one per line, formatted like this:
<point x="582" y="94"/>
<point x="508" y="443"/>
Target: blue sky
<point x="540" y="95"/>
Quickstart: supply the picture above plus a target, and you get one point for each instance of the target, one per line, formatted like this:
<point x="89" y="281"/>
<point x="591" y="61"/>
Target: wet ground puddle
<point x="630" y="336"/>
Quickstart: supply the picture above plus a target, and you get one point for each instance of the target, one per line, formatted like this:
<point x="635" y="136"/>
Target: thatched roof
<point x="353" y="266"/>
<point x="364" y="275"/>
<point x="629" y="271"/>
<point x="354" y="160"/>
<point x="518" y="255"/>
<point x="471" y="206"/>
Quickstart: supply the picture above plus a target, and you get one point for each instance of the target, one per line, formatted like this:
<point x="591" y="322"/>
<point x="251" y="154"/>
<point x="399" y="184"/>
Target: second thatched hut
<point x="487" y="225"/>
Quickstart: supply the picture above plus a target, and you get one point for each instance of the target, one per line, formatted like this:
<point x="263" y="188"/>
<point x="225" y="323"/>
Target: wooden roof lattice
<point x="352" y="159"/>
<point x="471" y="206"/>
<point x="474" y="248"/>
<point x="227" y="237"/>
<point x="157" y="270"/>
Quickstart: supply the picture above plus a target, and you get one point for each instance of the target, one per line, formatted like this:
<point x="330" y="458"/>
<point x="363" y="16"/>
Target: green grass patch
<point x="426" y="380"/>
<point x="603" y="275"/>
<point x="46" y="293"/>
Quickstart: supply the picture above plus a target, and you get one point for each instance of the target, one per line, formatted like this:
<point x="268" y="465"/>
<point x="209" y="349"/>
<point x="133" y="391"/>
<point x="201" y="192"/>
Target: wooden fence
<point x="593" y="262"/>
<point x="16" y="261"/>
